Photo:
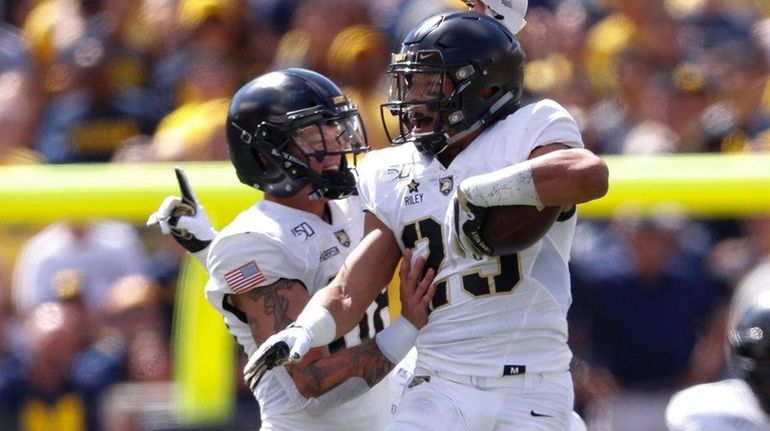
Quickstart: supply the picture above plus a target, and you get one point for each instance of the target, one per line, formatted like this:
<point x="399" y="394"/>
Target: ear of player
<point x="184" y="218"/>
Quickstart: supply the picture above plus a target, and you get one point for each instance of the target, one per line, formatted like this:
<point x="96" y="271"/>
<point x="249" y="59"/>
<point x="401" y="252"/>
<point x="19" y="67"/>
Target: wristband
<point x="396" y="340"/>
<point x="319" y="322"/>
<point x="512" y="185"/>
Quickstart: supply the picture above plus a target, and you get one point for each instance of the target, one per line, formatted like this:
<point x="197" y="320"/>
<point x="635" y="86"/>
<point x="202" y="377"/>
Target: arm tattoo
<point x="374" y="365"/>
<point x="275" y="304"/>
<point x="364" y="360"/>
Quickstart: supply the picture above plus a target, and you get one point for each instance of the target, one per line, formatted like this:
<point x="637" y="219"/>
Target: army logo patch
<point x="343" y="237"/>
<point x="446" y="185"/>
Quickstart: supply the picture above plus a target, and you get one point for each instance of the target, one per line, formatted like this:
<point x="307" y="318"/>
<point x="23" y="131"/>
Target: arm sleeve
<point x="556" y="125"/>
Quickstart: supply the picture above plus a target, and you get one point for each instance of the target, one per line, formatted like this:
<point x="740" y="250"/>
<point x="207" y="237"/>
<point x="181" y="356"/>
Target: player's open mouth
<point x="420" y="122"/>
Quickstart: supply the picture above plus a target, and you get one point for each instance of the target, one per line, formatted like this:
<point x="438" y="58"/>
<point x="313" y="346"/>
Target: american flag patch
<point x="244" y="277"/>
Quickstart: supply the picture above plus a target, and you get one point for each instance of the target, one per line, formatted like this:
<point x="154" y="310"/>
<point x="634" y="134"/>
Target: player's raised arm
<point x="555" y="175"/>
<point x="567" y="176"/>
<point x="185" y="219"/>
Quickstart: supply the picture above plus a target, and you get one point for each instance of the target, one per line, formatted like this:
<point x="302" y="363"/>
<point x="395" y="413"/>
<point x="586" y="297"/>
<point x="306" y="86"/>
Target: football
<point x="512" y="228"/>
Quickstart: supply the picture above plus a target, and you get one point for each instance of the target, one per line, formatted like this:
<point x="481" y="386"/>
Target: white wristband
<point x="512" y="185"/>
<point x="319" y="322"/>
<point x="396" y="340"/>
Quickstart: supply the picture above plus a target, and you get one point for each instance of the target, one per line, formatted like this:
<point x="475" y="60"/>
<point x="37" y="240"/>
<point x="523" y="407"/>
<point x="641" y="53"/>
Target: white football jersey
<point x="268" y="242"/>
<point x="728" y="405"/>
<point x="552" y="263"/>
<point x="490" y="317"/>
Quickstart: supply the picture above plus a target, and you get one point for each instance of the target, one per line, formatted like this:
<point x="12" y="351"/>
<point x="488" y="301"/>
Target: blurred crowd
<point x="84" y="307"/>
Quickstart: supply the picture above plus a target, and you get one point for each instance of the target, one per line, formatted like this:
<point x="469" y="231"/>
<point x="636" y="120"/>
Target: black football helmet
<point x="483" y="61"/>
<point x="286" y="107"/>
<point x="750" y="349"/>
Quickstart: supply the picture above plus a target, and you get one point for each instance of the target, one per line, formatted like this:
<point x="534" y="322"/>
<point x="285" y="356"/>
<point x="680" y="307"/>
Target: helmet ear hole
<point x="259" y="159"/>
<point x="488" y="92"/>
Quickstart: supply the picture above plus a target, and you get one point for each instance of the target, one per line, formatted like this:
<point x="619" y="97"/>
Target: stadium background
<point x="102" y="98"/>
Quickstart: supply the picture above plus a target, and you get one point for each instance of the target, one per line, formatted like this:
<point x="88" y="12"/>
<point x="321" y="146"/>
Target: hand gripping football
<point x="512" y="228"/>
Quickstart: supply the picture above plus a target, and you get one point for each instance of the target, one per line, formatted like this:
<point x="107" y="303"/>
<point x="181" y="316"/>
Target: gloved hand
<point x="289" y="345"/>
<point x="184" y="218"/>
<point x="465" y="220"/>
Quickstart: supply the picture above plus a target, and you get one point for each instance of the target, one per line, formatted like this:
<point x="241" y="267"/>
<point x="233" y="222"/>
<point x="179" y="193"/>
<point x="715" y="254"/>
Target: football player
<point x="290" y="134"/>
<point x="558" y="240"/>
<point x="510" y="12"/>
<point x="494" y="353"/>
<point x="741" y="403"/>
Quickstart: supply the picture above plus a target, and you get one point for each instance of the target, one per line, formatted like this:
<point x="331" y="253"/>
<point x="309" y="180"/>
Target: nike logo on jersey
<point x="538" y="415"/>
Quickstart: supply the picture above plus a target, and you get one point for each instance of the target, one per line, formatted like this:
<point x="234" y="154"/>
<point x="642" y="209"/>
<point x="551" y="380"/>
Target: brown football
<point x="512" y="228"/>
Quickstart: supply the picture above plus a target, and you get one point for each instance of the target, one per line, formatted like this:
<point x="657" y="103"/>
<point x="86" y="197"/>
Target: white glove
<point x="184" y="218"/>
<point x="465" y="221"/>
<point x="289" y="345"/>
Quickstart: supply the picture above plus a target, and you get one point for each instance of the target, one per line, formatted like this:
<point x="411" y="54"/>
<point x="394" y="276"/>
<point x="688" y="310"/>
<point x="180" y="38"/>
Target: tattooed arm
<point x="269" y="309"/>
<point x="364" y="360"/>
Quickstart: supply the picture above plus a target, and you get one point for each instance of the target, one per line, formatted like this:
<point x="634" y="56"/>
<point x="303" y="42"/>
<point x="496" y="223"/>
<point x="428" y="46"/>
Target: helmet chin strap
<point x="317" y="182"/>
<point x="481" y="121"/>
<point x="322" y="184"/>
<point x="315" y="195"/>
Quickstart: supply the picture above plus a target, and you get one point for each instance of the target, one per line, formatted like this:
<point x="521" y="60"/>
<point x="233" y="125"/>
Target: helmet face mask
<point x="421" y="97"/>
<point x="330" y="137"/>
<point x="282" y="122"/>
<point x="456" y="72"/>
